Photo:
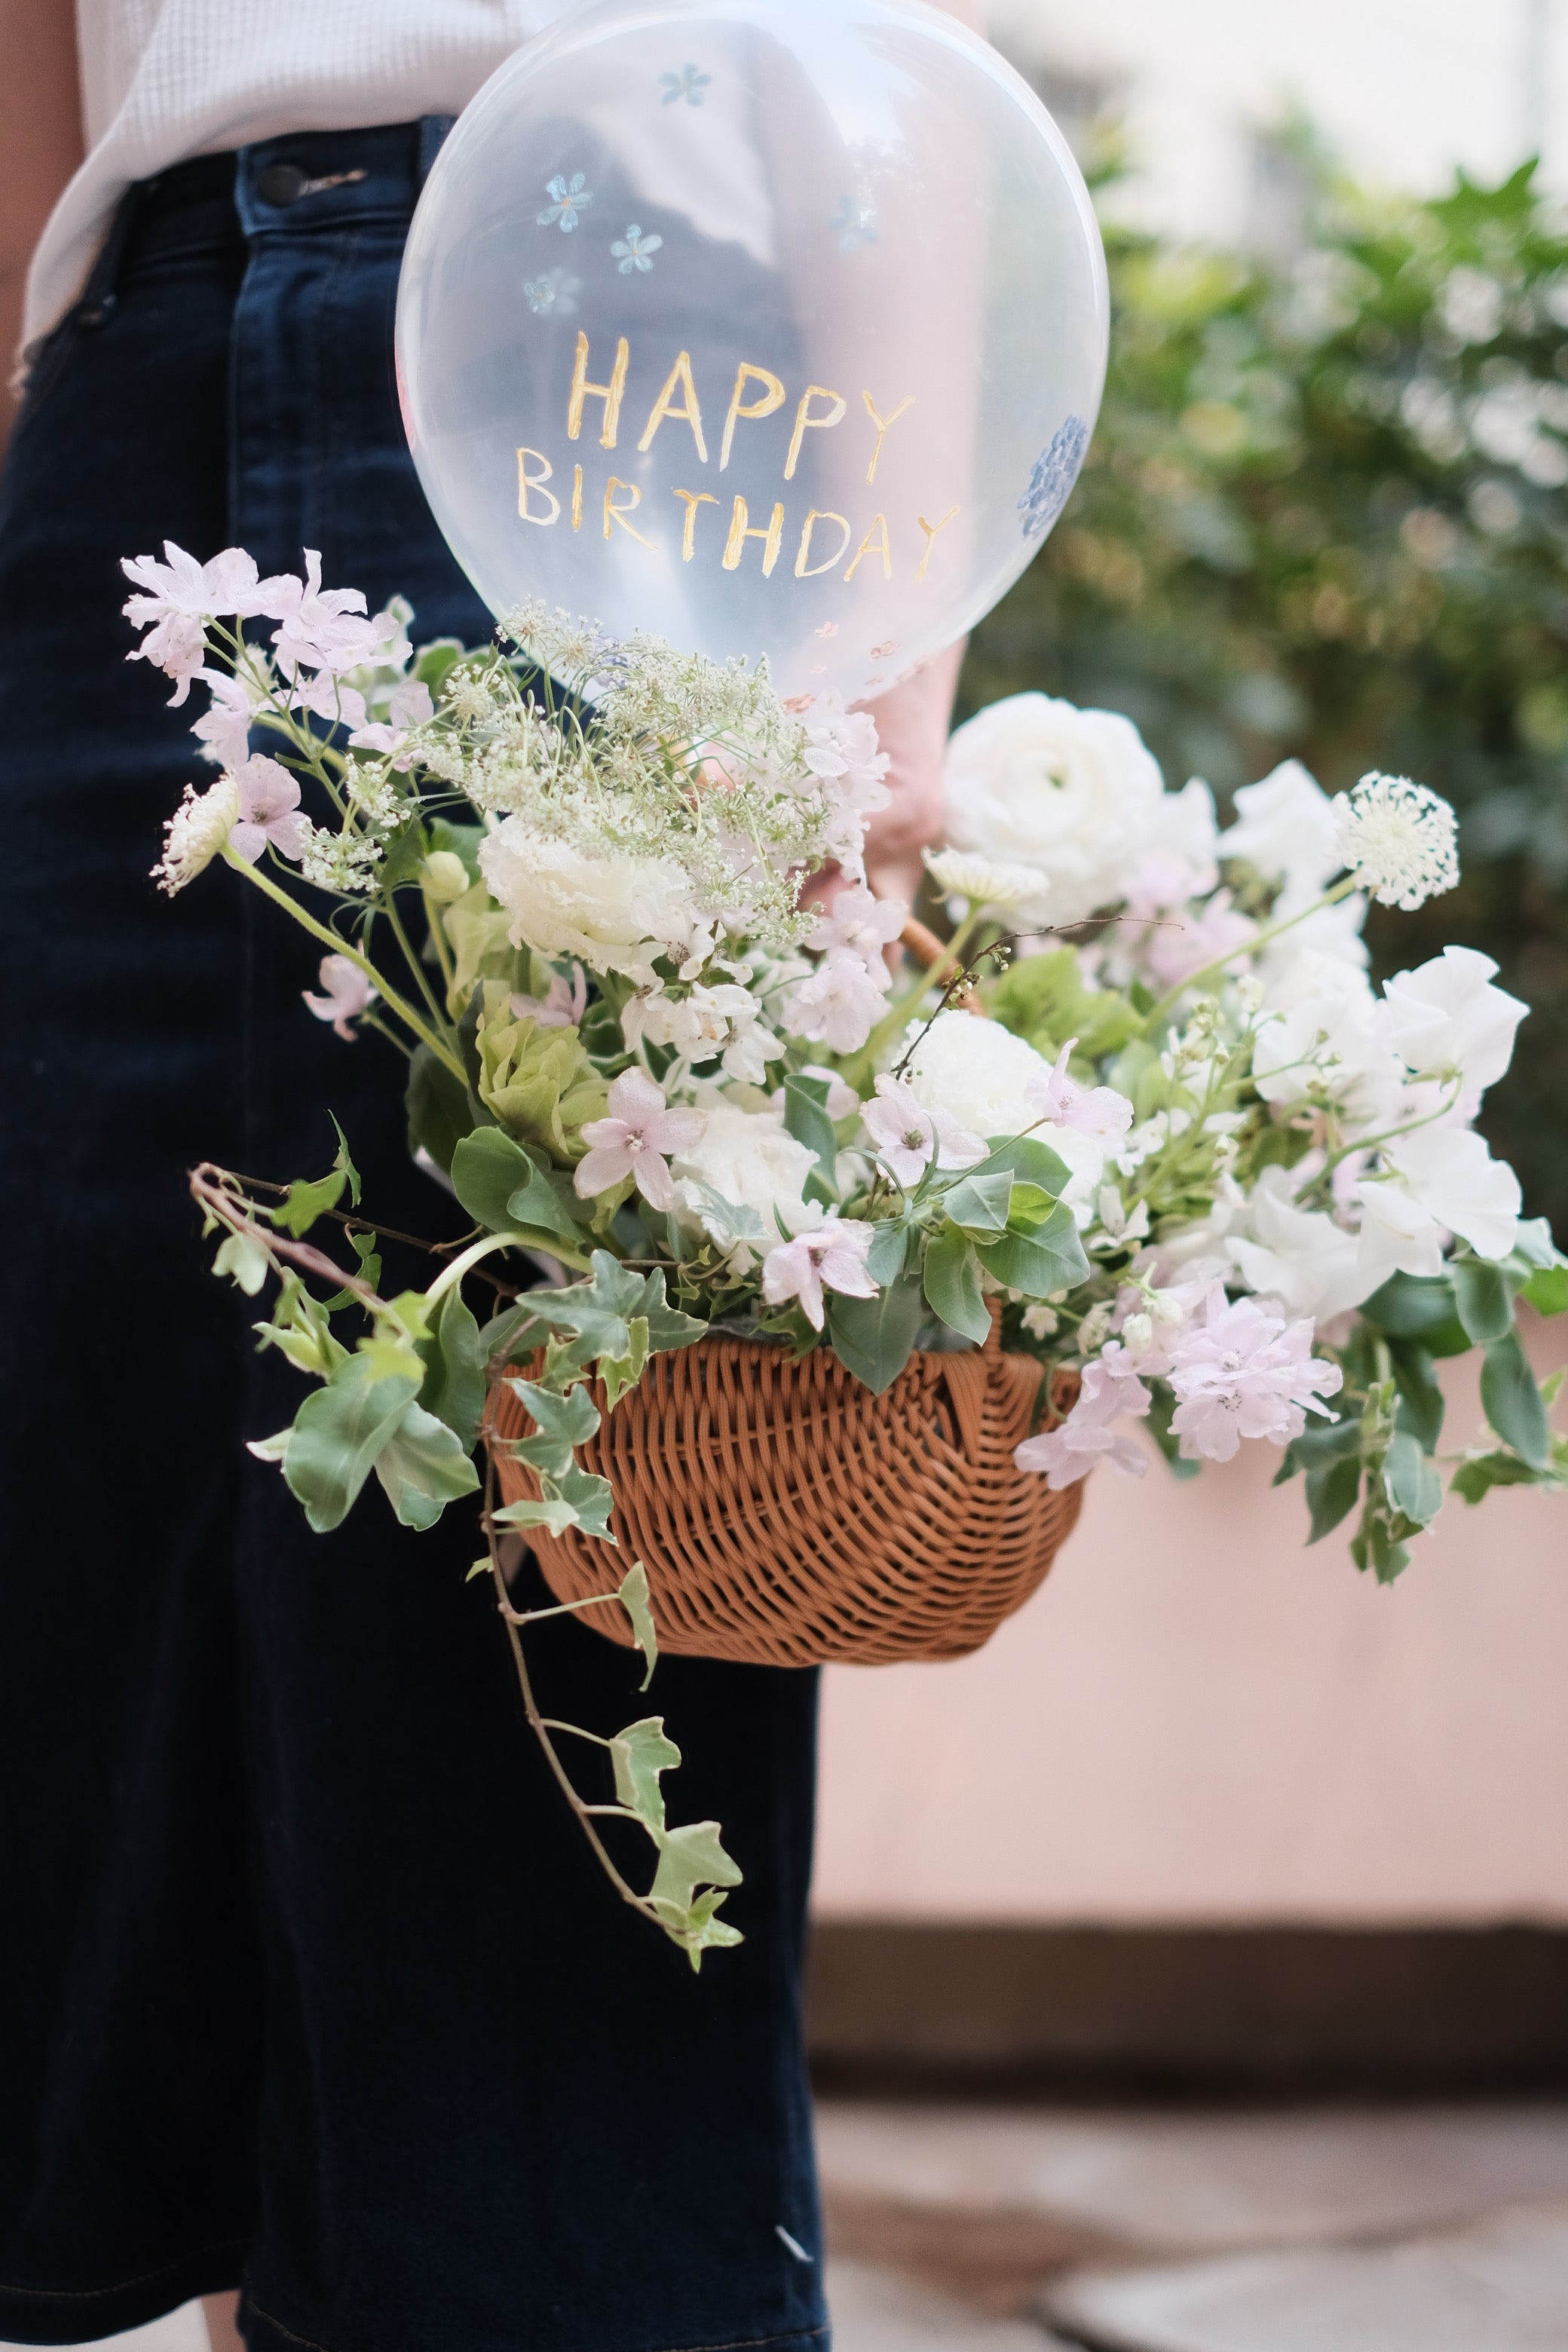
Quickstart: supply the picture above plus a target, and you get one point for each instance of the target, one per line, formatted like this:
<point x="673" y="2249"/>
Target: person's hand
<point x="911" y="725"/>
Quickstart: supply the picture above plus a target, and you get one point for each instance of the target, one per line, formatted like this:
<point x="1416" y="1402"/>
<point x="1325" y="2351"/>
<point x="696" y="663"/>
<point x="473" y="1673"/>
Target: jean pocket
<point x="45" y="360"/>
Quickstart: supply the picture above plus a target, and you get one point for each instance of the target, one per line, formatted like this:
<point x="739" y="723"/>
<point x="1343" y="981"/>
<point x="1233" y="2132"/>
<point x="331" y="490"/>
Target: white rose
<point x="748" y="1159"/>
<point x="615" y="912"/>
<point x="1035" y="782"/>
<point x="985" y="1078"/>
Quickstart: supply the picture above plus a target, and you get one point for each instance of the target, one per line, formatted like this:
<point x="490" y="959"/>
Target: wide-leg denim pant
<point x="307" y="1979"/>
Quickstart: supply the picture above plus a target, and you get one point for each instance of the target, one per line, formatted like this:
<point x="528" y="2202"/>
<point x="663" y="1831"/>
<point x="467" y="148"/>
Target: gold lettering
<point x="803" y="419"/>
<point x="931" y="530"/>
<point x="740" y="534"/>
<point x="613" y="513"/>
<point x="874" y="543"/>
<point x="576" y="498"/>
<point x="802" y="570"/>
<point x="772" y="398"/>
<point x="882" y="425"/>
<point x="694" y="499"/>
<point x="610" y="393"/>
<point x="527" y="481"/>
<point x="691" y="413"/>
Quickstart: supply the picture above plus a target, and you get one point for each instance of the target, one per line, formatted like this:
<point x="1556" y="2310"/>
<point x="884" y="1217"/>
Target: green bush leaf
<point x="874" y="1337"/>
<point x="1419" y="1306"/>
<point x="1484" y="1300"/>
<point x="1050" y="1259"/>
<point x="422" y="1467"/>
<point x="1479" y="1473"/>
<point x="637" y="1602"/>
<point x="805" y="1118"/>
<point x="338" y="1433"/>
<point x="1512" y="1402"/>
<point x="980" y="1202"/>
<point x="1547" y="1289"/>
<point x="1032" y="1161"/>
<point x="1421" y="1401"/>
<point x="538" y="1203"/>
<point x="952" y="1282"/>
<point x="890" y="1248"/>
<point x="1411" y="1481"/>
<point x="453" y="1389"/>
<point x="440" y="1112"/>
<point x="487" y="1169"/>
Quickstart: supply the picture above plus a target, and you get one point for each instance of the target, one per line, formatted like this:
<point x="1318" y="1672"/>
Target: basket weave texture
<point x="786" y="1517"/>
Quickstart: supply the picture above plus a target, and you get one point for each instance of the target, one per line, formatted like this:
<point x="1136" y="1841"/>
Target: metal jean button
<point x="282" y="183"/>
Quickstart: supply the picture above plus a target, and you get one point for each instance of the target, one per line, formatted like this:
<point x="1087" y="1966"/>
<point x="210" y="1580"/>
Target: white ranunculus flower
<point x="750" y="1160"/>
<point x="1445" y="1016"/>
<point x="1299" y="1256"/>
<point x="1286" y="830"/>
<point x="1035" y="782"/>
<point x="988" y="1080"/>
<point x="615" y="912"/>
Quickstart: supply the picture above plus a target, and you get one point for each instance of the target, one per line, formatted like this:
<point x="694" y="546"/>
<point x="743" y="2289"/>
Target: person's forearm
<point x="912" y="726"/>
<point x="40" y="147"/>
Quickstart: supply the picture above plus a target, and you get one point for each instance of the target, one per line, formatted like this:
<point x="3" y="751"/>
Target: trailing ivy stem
<point x="450" y="1276"/>
<point x="339" y="946"/>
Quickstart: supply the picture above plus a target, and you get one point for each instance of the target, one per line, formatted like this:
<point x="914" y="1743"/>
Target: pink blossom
<point x="321" y="628"/>
<point x="1244" y="1372"/>
<point x="563" y="1008"/>
<point x="843" y="751"/>
<point x="409" y="706"/>
<point x="225" y="726"/>
<point x="862" y="925"/>
<point x="1096" y="1111"/>
<point x="182" y="597"/>
<point x="909" y="1134"/>
<point x="326" y="697"/>
<point x="1191" y="943"/>
<point x="837" y="1006"/>
<point x="1087" y="1436"/>
<point x="268" y="810"/>
<point x="831" y="1255"/>
<point x="634" y="1140"/>
<point x="347" y="994"/>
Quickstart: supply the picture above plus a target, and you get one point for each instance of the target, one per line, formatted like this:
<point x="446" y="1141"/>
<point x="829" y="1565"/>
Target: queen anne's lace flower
<point x="1398" y="839"/>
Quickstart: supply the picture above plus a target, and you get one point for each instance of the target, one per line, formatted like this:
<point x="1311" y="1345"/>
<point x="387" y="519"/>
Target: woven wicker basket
<point x="785" y="1515"/>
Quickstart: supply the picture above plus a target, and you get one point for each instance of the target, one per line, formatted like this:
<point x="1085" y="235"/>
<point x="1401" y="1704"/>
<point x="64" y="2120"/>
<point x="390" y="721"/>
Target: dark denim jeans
<point x="307" y="1979"/>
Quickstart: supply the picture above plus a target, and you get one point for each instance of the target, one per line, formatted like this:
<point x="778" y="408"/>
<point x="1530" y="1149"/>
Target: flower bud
<point x="444" y="876"/>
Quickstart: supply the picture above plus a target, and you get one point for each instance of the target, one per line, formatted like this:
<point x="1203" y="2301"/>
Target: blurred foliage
<point x="1324" y="514"/>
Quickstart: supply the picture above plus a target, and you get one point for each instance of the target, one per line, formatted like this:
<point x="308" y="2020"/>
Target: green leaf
<point x="805" y="1118"/>
<point x="980" y="1202"/>
<point x="487" y="1169"/>
<point x="338" y="1433"/>
<point x="1512" y="1402"/>
<point x="304" y="1202"/>
<point x="1411" y="1481"/>
<point x="637" y="1603"/>
<point x="346" y="1162"/>
<point x="589" y="1497"/>
<point x="952" y="1282"/>
<point x="1479" y="1473"/>
<point x="690" y="1858"/>
<point x="1483" y="1298"/>
<point x="1050" y="1259"/>
<point x="243" y="1260"/>
<point x="874" y="1337"/>
<point x="454" y="1388"/>
<point x="620" y="1373"/>
<point x="1421" y="1400"/>
<point x="890" y="1248"/>
<point x="422" y="1467"/>
<point x="1419" y="1306"/>
<point x="440" y="1112"/>
<point x="639" y="1754"/>
<point x="1547" y="1289"/>
<point x="1032" y="1161"/>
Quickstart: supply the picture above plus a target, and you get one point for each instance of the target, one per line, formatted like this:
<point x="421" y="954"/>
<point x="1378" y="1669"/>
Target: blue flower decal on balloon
<point x="1055" y="472"/>
<point x="634" y="251"/>
<point x="568" y="198"/>
<point x="687" y="84"/>
<point x="853" y="224"/>
<point x="552" y="296"/>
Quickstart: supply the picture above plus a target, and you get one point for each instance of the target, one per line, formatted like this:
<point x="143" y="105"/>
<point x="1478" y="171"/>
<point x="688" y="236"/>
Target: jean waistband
<point x="301" y="184"/>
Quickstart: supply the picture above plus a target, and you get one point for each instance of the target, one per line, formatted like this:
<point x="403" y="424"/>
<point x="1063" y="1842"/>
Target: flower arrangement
<point x="1141" y="1104"/>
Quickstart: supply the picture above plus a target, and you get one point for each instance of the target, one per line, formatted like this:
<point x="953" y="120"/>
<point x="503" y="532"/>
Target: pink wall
<point x="1196" y="1718"/>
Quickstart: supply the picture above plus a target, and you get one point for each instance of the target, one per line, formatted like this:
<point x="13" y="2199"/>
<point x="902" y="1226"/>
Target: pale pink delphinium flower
<point x="842" y="751"/>
<point x="322" y="628"/>
<point x="1190" y="942"/>
<point x="326" y="697"/>
<point x="862" y="925"/>
<point x="909" y="1134"/>
<point x="346" y="993"/>
<point x="561" y="1008"/>
<point x="828" y="1256"/>
<point x="1088" y="1434"/>
<point x="225" y="726"/>
<point x="1244" y="1372"/>
<point x="408" y="706"/>
<point x="181" y="595"/>
<point x="268" y="812"/>
<point x="837" y="1006"/>
<point x="1097" y="1112"/>
<point x="634" y="1140"/>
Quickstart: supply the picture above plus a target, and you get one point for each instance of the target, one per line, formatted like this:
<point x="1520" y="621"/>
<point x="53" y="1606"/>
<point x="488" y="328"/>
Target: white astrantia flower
<point x="1076" y="793"/>
<point x="1447" y="1017"/>
<point x="195" y="834"/>
<point x="616" y="912"/>
<point x="1398" y="839"/>
<point x="748" y="1159"/>
<point x="986" y="881"/>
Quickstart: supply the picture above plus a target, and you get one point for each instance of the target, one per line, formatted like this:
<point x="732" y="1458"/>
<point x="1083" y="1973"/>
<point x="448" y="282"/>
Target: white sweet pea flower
<point x="1286" y="829"/>
<point x="1448" y="1172"/>
<point x="1446" y="1017"/>
<point x="722" y="1021"/>
<point x="1301" y="1257"/>
<point x="1324" y="1035"/>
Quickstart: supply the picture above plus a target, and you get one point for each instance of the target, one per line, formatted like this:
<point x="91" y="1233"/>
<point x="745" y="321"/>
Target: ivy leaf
<point x="980" y="1202"/>
<point x="875" y="1338"/>
<point x="667" y="1327"/>
<point x="551" y="1512"/>
<point x="337" y="1434"/>
<point x="952" y="1282"/>
<point x="1512" y="1402"/>
<point x="422" y="1467"/>
<point x="344" y="1162"/>
<point x="589" y="1497"/>
<point x="562" y="1422"/>
<point x="620" y="1373"/>
<point x="690" y="1858"/>
<point x="1483" y="1296"/>
<point x="367" y="1247"/>
<point x="244" y="1261"/>
<point x="304" y="1202"/>
<point x="695" y="1929"/>
<point x="639" y="1754"/>
<point x="637" y="1602"/>
<point x="1050" y="1259"/>
<point x="453" y="1389"/>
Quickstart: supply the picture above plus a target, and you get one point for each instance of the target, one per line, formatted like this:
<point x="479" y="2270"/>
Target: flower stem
<point x="1263" y="939"/>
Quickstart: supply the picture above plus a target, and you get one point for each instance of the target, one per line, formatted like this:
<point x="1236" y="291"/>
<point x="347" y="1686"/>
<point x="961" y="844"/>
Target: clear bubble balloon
<point x="777" y="327"/>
